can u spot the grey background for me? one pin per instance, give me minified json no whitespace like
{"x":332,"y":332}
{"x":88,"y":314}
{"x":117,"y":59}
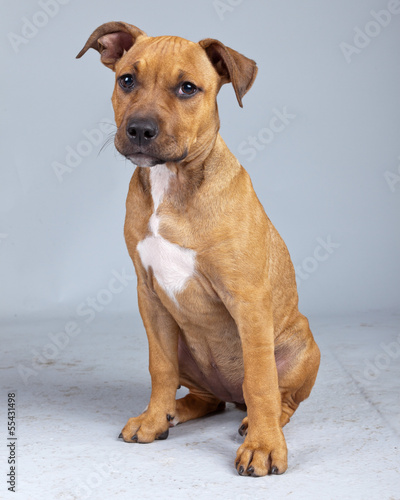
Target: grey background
{"x":323,"y":177}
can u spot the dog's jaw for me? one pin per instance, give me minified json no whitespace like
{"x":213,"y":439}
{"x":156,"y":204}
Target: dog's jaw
{"x":143,"y":160}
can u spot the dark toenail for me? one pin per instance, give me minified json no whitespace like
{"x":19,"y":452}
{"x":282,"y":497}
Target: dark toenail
{"x":162,"y":436}
{"x":274,"y":470}
{"x":250,"y":470}
{"x":179,"y":386}
{"x":170,"y":417}
{"x":134,"y":438}
{"x":120,"y":436}
{"x":242,"y":429}
{"x":241,"y":470}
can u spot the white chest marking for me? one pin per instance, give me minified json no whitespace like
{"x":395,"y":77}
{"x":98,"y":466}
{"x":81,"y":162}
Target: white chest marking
{"x":172,"y":264}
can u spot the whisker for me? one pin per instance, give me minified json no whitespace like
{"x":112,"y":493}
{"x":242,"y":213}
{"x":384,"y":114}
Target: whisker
{"x":108,"y":123}
{"x":109,"y":140}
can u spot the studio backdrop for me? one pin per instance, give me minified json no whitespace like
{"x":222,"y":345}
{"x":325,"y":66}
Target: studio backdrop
{"x":318,"y":133}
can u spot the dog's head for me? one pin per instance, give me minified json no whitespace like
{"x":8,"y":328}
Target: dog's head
{"x":165,"y":91}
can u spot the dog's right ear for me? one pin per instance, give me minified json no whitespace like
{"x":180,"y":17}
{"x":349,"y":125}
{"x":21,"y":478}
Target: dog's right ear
{"x":112,"y":40}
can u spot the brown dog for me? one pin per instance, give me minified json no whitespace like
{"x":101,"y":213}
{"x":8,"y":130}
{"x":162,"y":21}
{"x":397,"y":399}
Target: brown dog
{"x":216,"y":285}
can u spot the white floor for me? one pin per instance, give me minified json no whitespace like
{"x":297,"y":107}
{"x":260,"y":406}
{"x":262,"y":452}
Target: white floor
{"x":343,"y":441}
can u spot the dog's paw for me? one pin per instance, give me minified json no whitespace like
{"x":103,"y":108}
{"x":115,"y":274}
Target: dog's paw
{"x":259,"y":457}
{"x":146,"y":429}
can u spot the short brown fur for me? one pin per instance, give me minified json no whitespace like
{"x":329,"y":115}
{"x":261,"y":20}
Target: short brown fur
{"x":235,"y":332}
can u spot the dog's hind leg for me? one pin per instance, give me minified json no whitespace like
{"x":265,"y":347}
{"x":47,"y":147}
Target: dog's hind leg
{"x":296,"y":382}
{"x":196,"y":404}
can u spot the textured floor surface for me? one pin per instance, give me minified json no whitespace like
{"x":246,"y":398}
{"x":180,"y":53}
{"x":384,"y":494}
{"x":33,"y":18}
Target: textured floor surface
{"x":75,"y":392}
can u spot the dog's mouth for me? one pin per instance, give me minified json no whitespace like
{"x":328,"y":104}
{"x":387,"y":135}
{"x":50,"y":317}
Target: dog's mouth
{"x":150,"y":155}
{"x":144,"y":160}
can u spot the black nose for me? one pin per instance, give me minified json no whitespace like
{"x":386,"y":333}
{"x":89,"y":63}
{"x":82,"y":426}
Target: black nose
{"x":141,"y":130}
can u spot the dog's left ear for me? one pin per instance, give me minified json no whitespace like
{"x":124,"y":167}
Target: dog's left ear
{"x":231,"y":66}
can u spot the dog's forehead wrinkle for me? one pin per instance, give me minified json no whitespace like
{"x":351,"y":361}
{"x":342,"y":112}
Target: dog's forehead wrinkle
{"x":172,"y":42}
{"x":144,"y":60}
{"x":176,"y":48}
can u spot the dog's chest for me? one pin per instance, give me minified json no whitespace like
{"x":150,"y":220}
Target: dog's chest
{"x":172,"y":264}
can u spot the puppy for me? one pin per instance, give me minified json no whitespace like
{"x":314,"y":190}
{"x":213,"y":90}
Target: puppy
{"x":216,"y":286}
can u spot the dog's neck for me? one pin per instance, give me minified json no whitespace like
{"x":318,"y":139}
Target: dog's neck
{"x":187,"y":177}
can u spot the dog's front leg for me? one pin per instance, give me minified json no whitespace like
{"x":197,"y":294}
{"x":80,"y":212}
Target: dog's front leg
{"x":264,"y":450}
{"x":162,"y":333}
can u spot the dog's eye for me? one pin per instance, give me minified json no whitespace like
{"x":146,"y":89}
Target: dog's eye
{"x":187,"y":88}
{"x":126,"y":81}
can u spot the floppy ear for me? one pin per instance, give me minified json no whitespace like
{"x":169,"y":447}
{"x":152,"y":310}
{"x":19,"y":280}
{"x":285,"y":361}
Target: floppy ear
{"x":112,"y":40}
{"x":231,"y":66}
